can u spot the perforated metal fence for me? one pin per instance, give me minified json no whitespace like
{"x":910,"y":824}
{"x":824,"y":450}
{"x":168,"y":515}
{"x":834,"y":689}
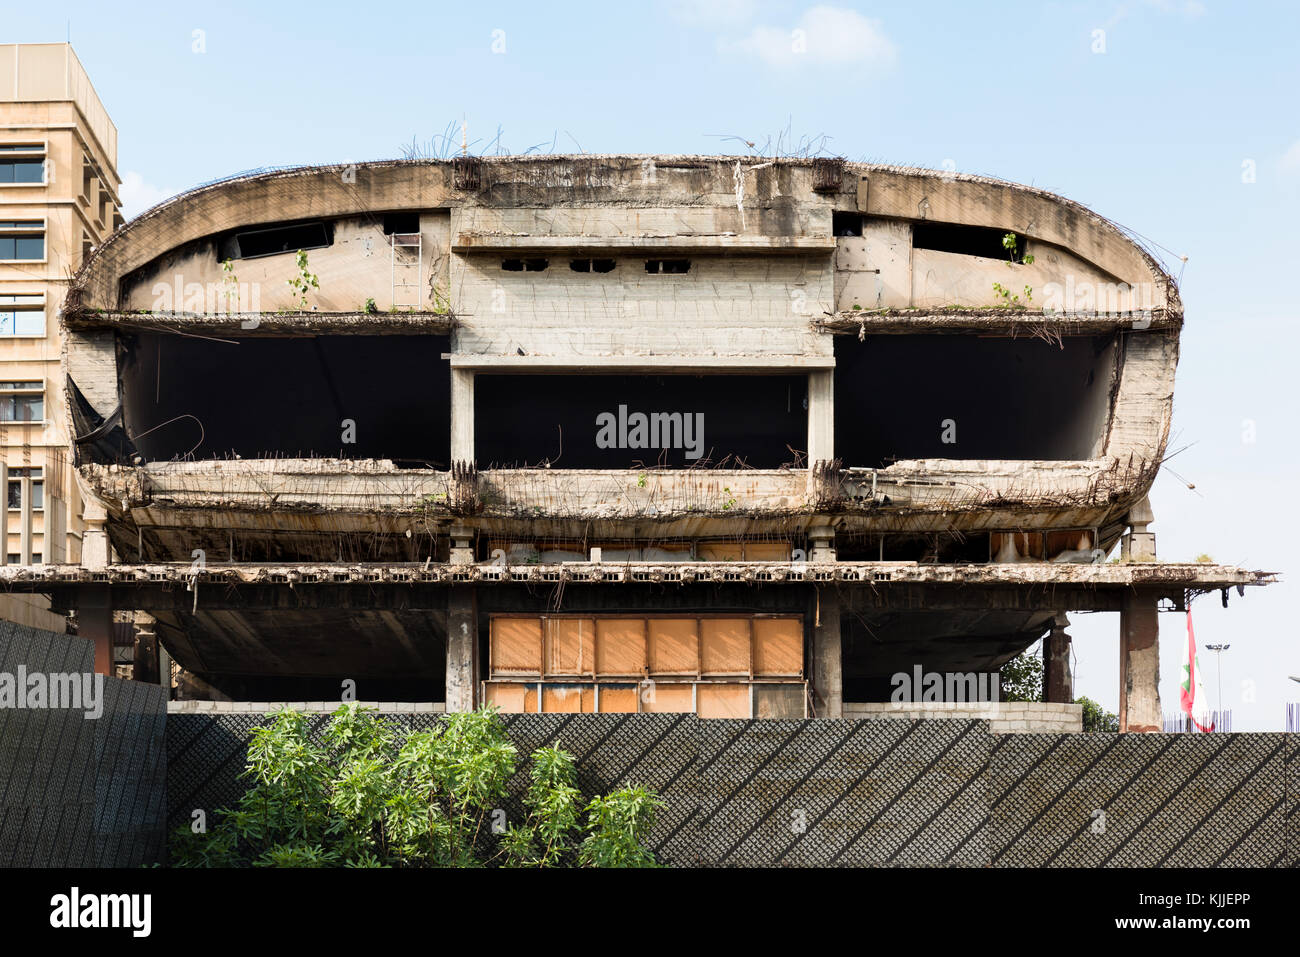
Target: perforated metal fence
{"x":880,"y":793}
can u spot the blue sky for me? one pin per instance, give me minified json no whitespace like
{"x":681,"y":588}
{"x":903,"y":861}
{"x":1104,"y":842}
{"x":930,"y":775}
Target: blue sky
{"x":1179,"y":121}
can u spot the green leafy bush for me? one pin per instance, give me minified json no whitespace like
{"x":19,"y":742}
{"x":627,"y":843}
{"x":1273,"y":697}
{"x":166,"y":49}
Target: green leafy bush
{"x":367,"y":796}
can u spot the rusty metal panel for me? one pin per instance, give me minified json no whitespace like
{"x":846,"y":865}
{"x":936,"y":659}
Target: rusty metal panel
{"x":780,"y":701}
{"x":778,"y":646}
{"x":618,"y":699}
{"x":673,"y":646}
{"x":621,"y":646}
{"x":568,"y":699}
{"x":505,"y":695}
{"x":665,"y":698}
{"x":570,"y":646}
{"x":515,"y":646}
{"x":722,"y":701}
{"x":725,"y":646}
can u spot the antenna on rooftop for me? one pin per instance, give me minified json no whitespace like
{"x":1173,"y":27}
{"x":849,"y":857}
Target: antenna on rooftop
{"x":464,"y":135}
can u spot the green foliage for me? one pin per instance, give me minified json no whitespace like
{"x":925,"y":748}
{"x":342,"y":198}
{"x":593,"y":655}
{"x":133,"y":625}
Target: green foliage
{"x":369,"y":796}
{"x":1009,"y":244}
{"x":1022,"y":678}
{"x":370,"y":308}
{"x":304,"y":282}
{"x":1095,"y":717}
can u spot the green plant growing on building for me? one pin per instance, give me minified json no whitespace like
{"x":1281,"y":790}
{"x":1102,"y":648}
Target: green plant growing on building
{"x":370,"y":308}
{"x":368,"y":794}
{"x":229,"y":286}
{"x":303,"y":283}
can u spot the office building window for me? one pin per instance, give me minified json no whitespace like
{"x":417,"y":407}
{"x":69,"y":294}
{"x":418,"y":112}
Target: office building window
{"x":22,"y":239}
{"x":22,"y":401}
{"x":22,"y":316}
{"x":15,"y":490}
{"x":22,"y":163}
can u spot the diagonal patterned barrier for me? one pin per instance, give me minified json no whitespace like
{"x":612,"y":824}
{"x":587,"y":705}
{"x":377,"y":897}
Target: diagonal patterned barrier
{"x":888,"y":793}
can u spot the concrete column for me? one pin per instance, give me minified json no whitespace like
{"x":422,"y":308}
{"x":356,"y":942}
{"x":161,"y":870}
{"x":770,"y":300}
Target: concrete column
{"x":25,"y":521}
{"x":146,"y":665}
{"x":1139,"y":664}
{"x":462,"y":545}
{"x":4,"y":538}
{"x":94,"y":540}
{"x":95,"y":621}
{"x":827,"y":664}
{"x":1138,"y":544}
{"x":1058,"y":683}
{"x":821,"y":416}
{"x":821,"y":544}
{"x":462,"y":415}
{"x":462,"y":649}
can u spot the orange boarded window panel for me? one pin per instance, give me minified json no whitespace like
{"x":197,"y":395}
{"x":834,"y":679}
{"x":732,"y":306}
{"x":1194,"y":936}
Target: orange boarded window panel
{"x":673,"y":647}
{"x":570,"y":646}
{"x":778,"y":646}
{"x":663,"y":698}
{"x":723,"y":701}
{"x":568,"y":699}
{"x":618,"y":699}
{"x":516,"y":647}
{"x":508,"y":696}
{"x":724,"y":646}
{"x":621,"y":647}
{"x":767,"y":552}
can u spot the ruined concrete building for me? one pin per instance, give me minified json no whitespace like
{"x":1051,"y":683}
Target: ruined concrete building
{"x":620,"y":433}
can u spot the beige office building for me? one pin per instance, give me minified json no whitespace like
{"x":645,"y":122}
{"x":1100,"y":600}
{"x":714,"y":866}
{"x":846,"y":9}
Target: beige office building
{"x":58,"y":200}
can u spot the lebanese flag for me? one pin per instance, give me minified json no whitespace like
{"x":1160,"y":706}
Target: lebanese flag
{"x":1194,"y":702}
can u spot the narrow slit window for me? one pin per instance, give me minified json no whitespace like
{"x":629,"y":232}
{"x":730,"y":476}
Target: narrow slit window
{"x":592,"y":265}
{"x":524,"y":265}
{"x":667,"y":266}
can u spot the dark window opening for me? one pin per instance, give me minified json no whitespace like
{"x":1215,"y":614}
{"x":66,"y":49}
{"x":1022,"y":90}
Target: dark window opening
{"x":667,"y":266}
{"x":524,"y":265}
{"x":401,"y":223}
{"x":967,"y":240}
{"x":281,"y":239}
{"x":352,"y":397}
{"x":846,"y":224}
{"x":592,"y":265}
{"x":630,"y":421}
{"x":958,"y":397}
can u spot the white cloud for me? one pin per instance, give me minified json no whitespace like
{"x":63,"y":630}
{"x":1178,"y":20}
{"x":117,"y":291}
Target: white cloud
{"x":824,"y":35}
{"x":1291,"y":158}
{"x":137,"y":195}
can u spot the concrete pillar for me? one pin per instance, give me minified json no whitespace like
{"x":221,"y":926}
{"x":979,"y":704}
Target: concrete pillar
{"x":1139,"y":664}
{"x":462,"y":415}
{"x":462,"y":649}
{"x":1138,"y":544}
{"x":94,"y":540}
{"x":462,"y":545}
{"x":827,"y":664}
{"x":146,"y":664}
{"x":1058,"y":683}
{"x":821,"y":544}
{"x":821,"y":416}
{"x":25,"y":521}
{"x":95,"y":621}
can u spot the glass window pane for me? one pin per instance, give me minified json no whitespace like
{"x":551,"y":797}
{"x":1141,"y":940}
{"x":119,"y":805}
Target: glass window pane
{"x":15,"y":495}
{"x":30,"y":322}
{"x":31,"y":247}
{"x":38,"y":495}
